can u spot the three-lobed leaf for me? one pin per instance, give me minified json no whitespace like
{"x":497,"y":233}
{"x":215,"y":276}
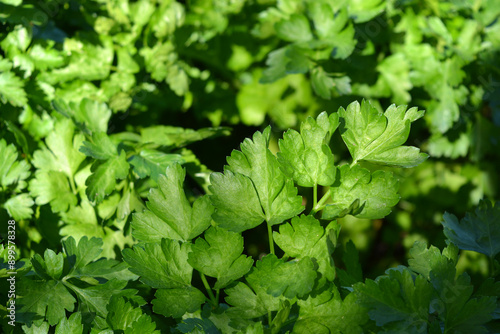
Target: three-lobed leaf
{"x":170,"y":214}
{"x":307,"y":157}
{"x":219,"y":255}
{"x":377,"y":137}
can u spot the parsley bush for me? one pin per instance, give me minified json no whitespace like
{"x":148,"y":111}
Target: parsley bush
{"x":189,"y":262}
{"x":108,"y":110}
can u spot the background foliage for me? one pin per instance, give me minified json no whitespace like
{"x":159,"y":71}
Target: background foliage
{"x":99,"y":97}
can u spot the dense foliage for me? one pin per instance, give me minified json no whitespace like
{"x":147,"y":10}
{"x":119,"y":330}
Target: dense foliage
{"x":113,"y":115}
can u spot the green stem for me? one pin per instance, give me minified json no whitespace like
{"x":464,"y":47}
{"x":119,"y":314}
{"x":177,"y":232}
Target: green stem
{"x":209,"y":290}
{"x":217,"y":293}
{"x":269,"y":318}
{"x":72,"y":183}
{"x":321,"y":204}
{"x":270,"y":235}
{"x":315,"y":195}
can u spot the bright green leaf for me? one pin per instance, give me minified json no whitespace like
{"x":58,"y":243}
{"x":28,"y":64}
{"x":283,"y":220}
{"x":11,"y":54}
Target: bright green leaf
{"x":377,"y":137}
{"x":219,"y":255}
{"x":377,"y":193}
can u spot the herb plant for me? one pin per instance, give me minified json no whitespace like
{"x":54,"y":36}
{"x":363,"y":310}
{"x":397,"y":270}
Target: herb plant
{"x":188,"y":272}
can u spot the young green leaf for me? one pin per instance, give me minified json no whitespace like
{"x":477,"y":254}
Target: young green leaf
{"x":162,"y":265}
{"x":296,"y":29}
{"x":253,"y":174}
{"x":237,"y":202}
{"x":50,"y":266}
{"x":306,"y":157}
{"x":52,"y":187}
{"x":176,"y":302}
{"x":19,"y":207}
{"x":219,"y":255}
{"x":305,"y":237}
{"x":11,"y":170}
{"x":251,"y":301}
{"x":124,"y":316}
{"x":153,"y":163}
{"x":377,"y":137}
{"x":11,"y":89}
{"x":170,"y":215}
{"x":61,"y":153}
{"x":377,"y":193}
{"x":71,"y":325}
{"x":479,"y":232}
{"x":273,"y":275}
{"x":81,"y":254}
{"x":89,"y":115}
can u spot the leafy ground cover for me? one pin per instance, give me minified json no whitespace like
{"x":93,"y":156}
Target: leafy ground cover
{"x":114,"y":115}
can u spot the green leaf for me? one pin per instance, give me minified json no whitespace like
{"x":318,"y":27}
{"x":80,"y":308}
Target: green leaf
{"x":263,"y":182}
{"x":170,"y":215}
{"x":45,"y":58}
{"x":176,"y":302}
{"x":453,"y":301}
{"x":162,"y":265}
{"x":273,"y":275}
{"x":397,"y":300}
{"x":363,"y":10}
{"x":219,"y":256}
{"x":81,"y":254}
{"x":306,"y":157}
{"x":52,"y":187}
{"x":11,"y":170}
{"x":11,"y":90}
{"x":377,"y":193}
{"x":175,"y":136}
{"x":237,"y":202}
{"x":305,"y":237}
{"x":61,"y":153}
{"x":19,"y":207}
{"x":104,"y":175}
{"x":89,"y":115}
{"x":322,"y":83}
{"x":353,"y":272}
{"x":251,"y":301}
{"x":100,"y":147}
{"x":296,"y":29}
{"x":123,"y":316}
{"x":95,"y":299}
{"x":46,"y":299}
{"x":479,"y":232}
{"x":50,"y":266}
{"x":153,"y":163}
{"x":327,"y":313}
{"x":377,"y":137}
{"x":71,"y":325}
{"x":276,"y":62}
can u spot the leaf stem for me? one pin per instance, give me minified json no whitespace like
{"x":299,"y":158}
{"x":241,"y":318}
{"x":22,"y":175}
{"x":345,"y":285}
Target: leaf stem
{"x":72,"y":184}
{"x":315,"y":195}
{"x":270,"y":236}
{"x":209,"y":290}
{"x":321,"y":204}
